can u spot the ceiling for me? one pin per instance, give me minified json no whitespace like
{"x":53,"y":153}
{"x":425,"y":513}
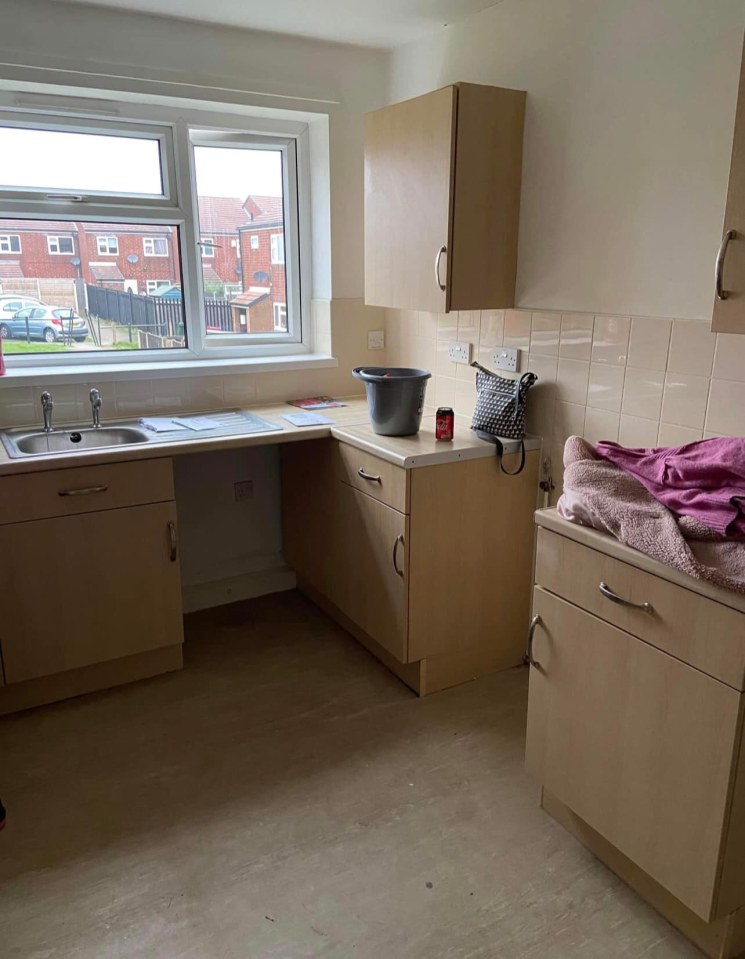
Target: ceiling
{"x":372,"y":23}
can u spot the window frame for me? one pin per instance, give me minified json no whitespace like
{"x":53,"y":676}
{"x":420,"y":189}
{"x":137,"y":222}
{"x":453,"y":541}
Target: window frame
{"x":179,"y":131}
{"x":57,"y":237}
{"x":279,"y":311}
{"x":255,"y":245}
{"x":273,"y":248}
{"x":9,"y":237}
{"x":151,"y":240}
{"x":107,"y":237}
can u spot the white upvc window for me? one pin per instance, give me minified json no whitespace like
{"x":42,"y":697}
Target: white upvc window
{"x":61,"y":245}
{"x":152,"y":170}
{"x":10,"y":243}
{"x":280,"y":316}
{"x":108,"y":245}
{"x":254,"y":241}
{"x":155,"y":245}
{"x":278,"y":247}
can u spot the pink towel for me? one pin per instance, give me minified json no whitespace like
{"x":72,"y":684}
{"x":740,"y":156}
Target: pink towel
{"x":704,"y":480}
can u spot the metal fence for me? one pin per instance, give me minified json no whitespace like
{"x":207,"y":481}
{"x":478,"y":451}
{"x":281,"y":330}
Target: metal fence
{"x":153,"y":314}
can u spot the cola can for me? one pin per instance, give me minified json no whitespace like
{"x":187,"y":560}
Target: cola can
{"x":444,"y":423}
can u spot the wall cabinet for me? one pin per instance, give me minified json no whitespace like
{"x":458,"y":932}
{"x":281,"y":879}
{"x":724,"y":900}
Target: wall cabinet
{"x":428,"y":567}
{"x":636,"y":740}
{"x":729,"y":298}
{"x":442,"y":199}
{"x":89,"y":568}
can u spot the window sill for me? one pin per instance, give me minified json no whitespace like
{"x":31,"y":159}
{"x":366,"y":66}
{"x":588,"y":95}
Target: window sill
{"x":109,"y":372}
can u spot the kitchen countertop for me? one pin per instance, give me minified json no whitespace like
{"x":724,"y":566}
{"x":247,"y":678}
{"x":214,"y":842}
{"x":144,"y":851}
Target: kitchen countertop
{"x":605,"y":543}
{"x":350,"y":423}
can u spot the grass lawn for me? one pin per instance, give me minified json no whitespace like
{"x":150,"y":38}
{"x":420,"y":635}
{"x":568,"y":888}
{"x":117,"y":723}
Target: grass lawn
{"x":18,"y":346}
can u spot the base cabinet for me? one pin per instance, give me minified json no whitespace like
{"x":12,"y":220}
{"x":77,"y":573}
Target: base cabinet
{"x":639,"y":752}
{"x":428,"y":567}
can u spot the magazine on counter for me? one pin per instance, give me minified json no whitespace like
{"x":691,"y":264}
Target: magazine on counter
{"x":316,"y":403}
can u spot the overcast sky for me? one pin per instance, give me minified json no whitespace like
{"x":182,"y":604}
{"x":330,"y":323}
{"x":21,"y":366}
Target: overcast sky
{"x":87,"y":163}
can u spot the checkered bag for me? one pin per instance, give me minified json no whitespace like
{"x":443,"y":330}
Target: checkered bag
{"x":500,"y":410}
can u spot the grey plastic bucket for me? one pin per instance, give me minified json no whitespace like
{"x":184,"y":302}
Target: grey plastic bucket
{"x":395,"y":398}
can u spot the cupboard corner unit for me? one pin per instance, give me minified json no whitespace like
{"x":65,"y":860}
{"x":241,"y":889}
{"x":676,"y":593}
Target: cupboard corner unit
{"x":635,"y":725}
{"x":443,"y":174}
{"x":428,"y":567}
{"x":90,"y":576}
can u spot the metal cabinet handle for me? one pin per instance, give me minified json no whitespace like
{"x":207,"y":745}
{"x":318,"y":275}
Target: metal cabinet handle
{"x":528,"y":657}
{"x":399,"y":539}
{"x":84,"y":491}
{"x":174,"y":541}
{"x":722,"y":294}
{"x":615,"y":598}
{"x":438,"y":257}
{"x":368,"y":476}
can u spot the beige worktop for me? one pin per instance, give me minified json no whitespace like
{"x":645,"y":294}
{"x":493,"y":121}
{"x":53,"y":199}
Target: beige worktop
{"x":350,"y":423}
{"x":605,"y":543}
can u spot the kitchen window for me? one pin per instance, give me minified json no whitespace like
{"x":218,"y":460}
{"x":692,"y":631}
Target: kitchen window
{"x":155,"y":246}
{"x":108,"y":246}
{"x":60,"y":245}
{"x":159,"y":192}
{"x":10,"y":244}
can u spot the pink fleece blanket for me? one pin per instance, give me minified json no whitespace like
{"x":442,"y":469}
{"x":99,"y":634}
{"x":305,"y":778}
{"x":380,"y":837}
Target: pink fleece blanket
{"x":599,"y":494}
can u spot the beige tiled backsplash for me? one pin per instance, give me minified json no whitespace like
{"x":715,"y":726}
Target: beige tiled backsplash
{"x":641,"y":381}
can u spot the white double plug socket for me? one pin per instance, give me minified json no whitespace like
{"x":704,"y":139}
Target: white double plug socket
{"x":459,"y":352}
{"x":505,"y":359}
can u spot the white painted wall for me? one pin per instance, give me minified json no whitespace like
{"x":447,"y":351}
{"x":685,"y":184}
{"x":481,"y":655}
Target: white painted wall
{"x":628,"y":137}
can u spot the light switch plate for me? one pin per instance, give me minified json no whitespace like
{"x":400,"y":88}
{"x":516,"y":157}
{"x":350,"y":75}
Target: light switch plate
{"x":376,"y":339}
{"x":459,"y":352}
{"x":504,"y":359}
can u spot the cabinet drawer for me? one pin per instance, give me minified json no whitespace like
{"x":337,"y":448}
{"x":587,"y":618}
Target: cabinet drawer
{"x":373,"y":475}
{"x":84,"y":489}
{"x":697,"y":630}
{"x":624,"y":735}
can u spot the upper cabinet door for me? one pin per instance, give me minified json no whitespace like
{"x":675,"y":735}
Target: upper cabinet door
{"x":729,"y":298}
{"x":408,"y":178}
{"x":442,"y":200}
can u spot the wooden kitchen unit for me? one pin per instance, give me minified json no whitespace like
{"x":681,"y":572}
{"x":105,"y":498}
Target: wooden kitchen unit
{"x":426,"y":562}
{"x":635,"y":724}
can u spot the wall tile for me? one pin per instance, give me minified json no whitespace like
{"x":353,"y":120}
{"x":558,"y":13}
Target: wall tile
{"x":468,"y":326}
{"x":427,"y":325}
{"x":545,"y":331}
{"x":729,"y":357}
{"x":133,"y":397}
{"x":576,"y":336}
{"x":465,"y":397}
{"x":642,"y":393}
{"x":444,"y":391}
{"x":206,"y":393}
{"x":684,"y":402}
{"x":636,"y":431}
{"x":556,"y":453}
{"x":691,"y":348}
{"x":517,"y":329}
{"x":601,"y":425}
{"x":649,"y":343}
{"x":671,"y":435}
{"x":447,"y":326}
{"x":492,"y":328}
{"x":572,"y":377}
{"x":17,"y":406}
{"x":425,"y":355}
{"x":726,"y":410}
{"x":241,"y":389}
{"x":610,"y":339}
{"x":544,"y":367}
{"x":569,"y":420}
{"x":605,"y":389}
{"x":443,"y":365}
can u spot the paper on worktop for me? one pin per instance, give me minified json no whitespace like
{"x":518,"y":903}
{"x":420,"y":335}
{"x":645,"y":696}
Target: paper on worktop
{"x":196,"y":423}
{"x":161,"y":424}
{"x":316,"y":403}
{"x":306,"y":419}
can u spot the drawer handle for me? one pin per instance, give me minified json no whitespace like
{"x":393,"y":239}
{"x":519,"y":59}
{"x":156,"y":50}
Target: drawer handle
{"x":615,"y":598}
{"x":368,"y":476}
{"x":399,"y":539}
{"x":528,"y":657}
{"x":174,"y":541}
{"x":723,"y":294}
{"x":83,"y":491}
{"x":438,"y":257}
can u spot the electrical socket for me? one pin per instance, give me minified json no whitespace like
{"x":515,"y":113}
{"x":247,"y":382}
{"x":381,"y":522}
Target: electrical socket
{"x":376,"y":339}
{"x":504,"y":359}
{"x":459,"y":352}
{"x":243,"y":490}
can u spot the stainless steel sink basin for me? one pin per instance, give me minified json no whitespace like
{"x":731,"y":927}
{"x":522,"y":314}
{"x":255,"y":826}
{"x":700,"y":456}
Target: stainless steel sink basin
{"x":70,"y":439}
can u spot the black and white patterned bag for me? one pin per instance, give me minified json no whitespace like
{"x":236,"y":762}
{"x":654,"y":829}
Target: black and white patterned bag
{"x":500,"y":410}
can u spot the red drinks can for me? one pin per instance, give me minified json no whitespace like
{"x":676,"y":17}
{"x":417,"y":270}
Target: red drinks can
{"x":444,"y":423}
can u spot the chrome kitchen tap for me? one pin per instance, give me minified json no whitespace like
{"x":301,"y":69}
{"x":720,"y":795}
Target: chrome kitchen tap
{"x":95,"y":397}
{"x":47,"y":406}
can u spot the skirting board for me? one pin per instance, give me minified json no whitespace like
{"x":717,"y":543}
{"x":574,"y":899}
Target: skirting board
{"x":235,"y":588}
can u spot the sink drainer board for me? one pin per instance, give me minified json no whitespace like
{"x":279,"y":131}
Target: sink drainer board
{"x":233,"y":423}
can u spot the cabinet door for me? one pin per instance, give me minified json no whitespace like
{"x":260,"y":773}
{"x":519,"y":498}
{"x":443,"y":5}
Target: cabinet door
{"x":636,"y":743}
{"x":729,"y":299}
{"x":371,"y":559}
{"x":408,"y":176}
{"x":84,"y":589}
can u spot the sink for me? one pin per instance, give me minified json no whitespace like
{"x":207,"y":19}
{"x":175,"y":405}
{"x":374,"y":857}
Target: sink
{"x":70,"y":439}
